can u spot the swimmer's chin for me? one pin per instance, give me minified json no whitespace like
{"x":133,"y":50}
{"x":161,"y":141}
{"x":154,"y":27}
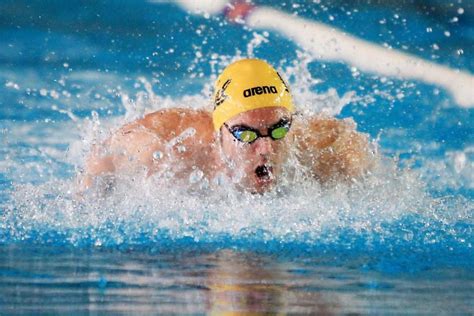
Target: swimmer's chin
{"x":262,"y":189}
{"x":263,"y":180}
{"x":254,"y":189}
{"x":257,"y":186}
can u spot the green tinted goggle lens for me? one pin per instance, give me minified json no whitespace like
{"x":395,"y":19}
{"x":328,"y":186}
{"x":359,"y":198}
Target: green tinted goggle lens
{"x":246,"y":136}
{"x":249,"y":135}
{"x":279,"y":132}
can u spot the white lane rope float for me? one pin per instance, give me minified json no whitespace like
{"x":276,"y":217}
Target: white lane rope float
{"x":329,"y":44}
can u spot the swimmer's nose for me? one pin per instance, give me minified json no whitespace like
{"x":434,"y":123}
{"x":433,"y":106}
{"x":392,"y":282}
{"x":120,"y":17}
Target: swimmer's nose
{"x":263,"y":146}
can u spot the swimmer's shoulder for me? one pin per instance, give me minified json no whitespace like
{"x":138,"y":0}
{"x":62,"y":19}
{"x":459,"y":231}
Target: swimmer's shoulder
{"x":332,"y":148}
{"x":317,"y":130}
{"x":168,"y":123}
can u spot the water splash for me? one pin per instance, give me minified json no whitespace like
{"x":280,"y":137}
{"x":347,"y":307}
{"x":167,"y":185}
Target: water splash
{"x":389,"y":211}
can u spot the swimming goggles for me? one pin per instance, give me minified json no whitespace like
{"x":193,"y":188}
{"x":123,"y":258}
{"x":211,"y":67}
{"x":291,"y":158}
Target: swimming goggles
{"x":248,"y":134}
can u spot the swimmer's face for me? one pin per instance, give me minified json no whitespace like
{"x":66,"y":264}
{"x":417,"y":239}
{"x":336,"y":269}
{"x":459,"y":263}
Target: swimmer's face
{"x":257,"y":166}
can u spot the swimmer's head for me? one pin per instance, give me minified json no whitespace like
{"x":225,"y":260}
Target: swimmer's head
{"x":255,"y":146}
{"x":253,"y":112}
{"x":246,"y":85}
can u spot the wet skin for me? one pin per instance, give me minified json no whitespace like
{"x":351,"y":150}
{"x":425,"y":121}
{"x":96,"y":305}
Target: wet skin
{"x":243,"y":160}
{"x":181,"y":140}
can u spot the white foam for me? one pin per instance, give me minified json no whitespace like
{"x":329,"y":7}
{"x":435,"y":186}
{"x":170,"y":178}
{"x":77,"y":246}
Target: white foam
{"x":299,"y":208}
{"x":455,"y":170}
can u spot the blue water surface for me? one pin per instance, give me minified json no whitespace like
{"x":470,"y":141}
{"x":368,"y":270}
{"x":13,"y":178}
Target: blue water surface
{"x":62,"y":63}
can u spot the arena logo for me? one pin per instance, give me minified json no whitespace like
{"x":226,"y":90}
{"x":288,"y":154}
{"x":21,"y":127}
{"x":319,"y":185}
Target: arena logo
{"x":220,"y":95}
{"x":260,"y":90}
{"x":283,"y":81}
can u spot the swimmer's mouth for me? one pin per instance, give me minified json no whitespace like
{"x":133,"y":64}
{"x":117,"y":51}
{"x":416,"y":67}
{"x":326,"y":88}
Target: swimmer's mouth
{"x":264,"y":172}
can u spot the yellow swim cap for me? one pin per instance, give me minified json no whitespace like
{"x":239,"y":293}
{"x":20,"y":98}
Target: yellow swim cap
{"x":246,"y":85}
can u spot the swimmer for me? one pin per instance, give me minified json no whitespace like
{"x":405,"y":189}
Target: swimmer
{"x":248,"y":137}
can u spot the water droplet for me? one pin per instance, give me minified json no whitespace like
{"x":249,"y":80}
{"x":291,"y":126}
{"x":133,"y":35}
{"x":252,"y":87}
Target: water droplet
{"x":204,"y":184}
{"x":157,"y":155}
{"x":460,"y":11}
{"x":102,"y":282}
{"x":196,"y":176}
{"x":460,"y":160}
{"x":13,"y":85}
{"x":54,"y":94}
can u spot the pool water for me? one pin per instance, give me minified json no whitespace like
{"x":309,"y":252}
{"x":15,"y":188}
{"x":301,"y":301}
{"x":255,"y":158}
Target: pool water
{"x":398,"y":241}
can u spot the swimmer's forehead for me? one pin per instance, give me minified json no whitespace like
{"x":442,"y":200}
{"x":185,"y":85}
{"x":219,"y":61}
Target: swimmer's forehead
{"x":264,"y":117}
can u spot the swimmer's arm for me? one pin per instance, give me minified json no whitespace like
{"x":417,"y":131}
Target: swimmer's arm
{"x":131,"y":146}
{"x":333,"y":149}
{"x":96,"y":164}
